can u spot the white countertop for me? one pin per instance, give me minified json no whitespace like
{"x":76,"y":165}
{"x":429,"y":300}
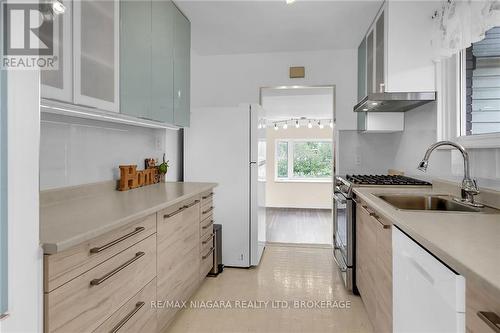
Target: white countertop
{"x":72,"y":216}
{"x":469,"y":243}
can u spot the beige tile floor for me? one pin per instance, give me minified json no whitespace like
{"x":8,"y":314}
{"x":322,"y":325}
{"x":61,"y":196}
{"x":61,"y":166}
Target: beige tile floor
{"x":285,"y":274}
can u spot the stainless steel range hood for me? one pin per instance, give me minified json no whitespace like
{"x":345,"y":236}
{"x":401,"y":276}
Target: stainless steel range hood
{"x":394,"y":102}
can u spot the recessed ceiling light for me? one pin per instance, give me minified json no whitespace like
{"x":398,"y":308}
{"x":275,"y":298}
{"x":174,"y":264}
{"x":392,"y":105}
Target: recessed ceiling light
{"x":289,"y":2}
{"x":365,"y":109}
{"x":374,"y":103}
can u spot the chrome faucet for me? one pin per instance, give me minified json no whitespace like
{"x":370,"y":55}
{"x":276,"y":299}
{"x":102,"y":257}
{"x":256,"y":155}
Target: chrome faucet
{"x":469,"y":186}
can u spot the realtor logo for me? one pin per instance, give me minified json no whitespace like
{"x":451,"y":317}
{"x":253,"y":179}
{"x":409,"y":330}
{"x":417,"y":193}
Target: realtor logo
{"x":28,"y":34}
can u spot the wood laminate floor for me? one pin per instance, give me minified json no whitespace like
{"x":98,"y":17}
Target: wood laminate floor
{"x":287,"y":274}
{"x":300,"y":226}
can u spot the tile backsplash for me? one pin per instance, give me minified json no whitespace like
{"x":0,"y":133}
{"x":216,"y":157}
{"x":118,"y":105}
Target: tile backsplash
{"x":75,"y":151}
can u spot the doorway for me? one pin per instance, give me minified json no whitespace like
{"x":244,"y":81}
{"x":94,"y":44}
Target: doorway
{"x":299,"y":164}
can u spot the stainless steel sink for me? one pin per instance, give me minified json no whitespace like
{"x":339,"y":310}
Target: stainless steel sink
{"x":431,"y":203}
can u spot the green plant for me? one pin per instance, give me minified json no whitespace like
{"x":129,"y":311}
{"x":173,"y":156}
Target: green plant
{"x":163,"y":167}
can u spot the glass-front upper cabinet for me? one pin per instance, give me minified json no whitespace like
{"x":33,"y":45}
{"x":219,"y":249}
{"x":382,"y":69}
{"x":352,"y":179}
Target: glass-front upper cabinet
{"x":182,"y":56}
{"x":96,"y":53}
{"x":380,"y":54}
{"x":58,"y":84}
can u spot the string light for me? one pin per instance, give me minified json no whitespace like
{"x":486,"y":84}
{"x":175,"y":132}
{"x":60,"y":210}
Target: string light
{"x":285,"y":126}
{"x":275,"y":127}
{"x":284,"y":123}
{"x":297,"y":125}
{"x":309,"y":125}
{"x":320,"y":125}
{"x":331,"y":123}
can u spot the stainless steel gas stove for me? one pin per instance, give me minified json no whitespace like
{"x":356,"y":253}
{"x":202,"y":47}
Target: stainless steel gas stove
{"x":345,"y":217}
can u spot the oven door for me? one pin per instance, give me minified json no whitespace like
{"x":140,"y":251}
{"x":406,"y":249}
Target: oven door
{"x":341,"y":225}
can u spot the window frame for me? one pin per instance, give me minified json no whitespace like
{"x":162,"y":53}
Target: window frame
{"x":292,"y":179}
{"x":451,"y":105}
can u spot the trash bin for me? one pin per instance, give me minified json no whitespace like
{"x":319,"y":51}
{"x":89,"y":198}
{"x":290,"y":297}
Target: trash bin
{"x":218,"y":267}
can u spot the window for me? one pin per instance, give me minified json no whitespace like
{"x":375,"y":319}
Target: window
{"x":304,"y":160}
{"x":481,"y":87}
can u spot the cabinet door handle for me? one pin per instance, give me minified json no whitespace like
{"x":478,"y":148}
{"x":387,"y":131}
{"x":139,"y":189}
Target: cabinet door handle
{"x":191,"y":204}
{"x":167,"y":216}
{"x":208,"y":224}
{"x":209,"y":238}
{"x":208,"y":196}
{"x":208,"y":254}
{"x":96,"y":282}
{"x":122,"y":322}
{"x":491,"y":319}
{"x":208,"y":210}
{"x":98,"y":249}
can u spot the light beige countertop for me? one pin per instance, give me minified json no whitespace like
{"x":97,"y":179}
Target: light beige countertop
{"x":74,"y":215}
{"x":469,"y":243}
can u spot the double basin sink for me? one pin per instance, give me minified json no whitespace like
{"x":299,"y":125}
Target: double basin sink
{"x":438,"y":203}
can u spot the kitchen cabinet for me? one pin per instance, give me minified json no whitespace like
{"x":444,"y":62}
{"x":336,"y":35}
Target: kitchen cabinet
{"x":155,"y":62}
{"x":178,"y":255}
{"x":96,"y":54}
{"x":135,"y":58}
{"x":58,"y":84}
{"x":182,"y":56}
{"x":163,"y":61}
{"x":479,"y":300}
{"x":374,"y":266}
{"x":362,"y":69}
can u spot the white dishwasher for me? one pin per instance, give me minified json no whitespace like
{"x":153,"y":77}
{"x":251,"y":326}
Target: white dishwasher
{"x":427,"y":295}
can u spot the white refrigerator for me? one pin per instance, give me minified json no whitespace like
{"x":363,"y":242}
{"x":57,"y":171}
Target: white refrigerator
{"x":227,"y":146}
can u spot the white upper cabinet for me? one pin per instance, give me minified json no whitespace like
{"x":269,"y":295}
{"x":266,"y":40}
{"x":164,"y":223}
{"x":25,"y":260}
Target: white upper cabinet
{"x":58,"y":84}
{"x":96,"y":38}
{"x":409,"y":62}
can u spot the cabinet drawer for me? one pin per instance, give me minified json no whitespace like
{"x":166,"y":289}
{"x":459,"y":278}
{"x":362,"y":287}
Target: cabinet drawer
{"x":478,"y":298}
{"x":206,"y":242}
{"x":207,"y":211}
{"x":207,"y":262}
{"x":85,"y":302}
{"x":67,"y":265}
{"x":137,"y":315}
{"x":206,"y":227}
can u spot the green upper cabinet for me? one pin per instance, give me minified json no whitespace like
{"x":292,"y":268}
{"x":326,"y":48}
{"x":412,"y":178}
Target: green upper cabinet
{"x":162,"y":89}
{"x":182,"y":58}
{"x":155,"y":61}
{"x":135,"y":58}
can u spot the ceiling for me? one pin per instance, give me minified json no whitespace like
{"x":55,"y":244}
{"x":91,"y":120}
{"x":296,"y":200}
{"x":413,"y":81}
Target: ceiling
{"x":311,"y":103}
{"x":230,"y":27}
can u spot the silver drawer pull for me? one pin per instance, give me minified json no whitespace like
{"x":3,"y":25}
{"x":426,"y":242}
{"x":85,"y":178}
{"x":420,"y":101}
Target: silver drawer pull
{"x":208,"y":210}
{"x":96,"y":282}
{"x":116,"y":241}
{"x":122,"y":322}
{"x":208,"y":254}
{"x":192,"y":204}
{"x":167,"y":216}
{"x":209,"y":238}
{"x":208,"y":225}
{"x":491,"y":319}
{"x":208,"y":196}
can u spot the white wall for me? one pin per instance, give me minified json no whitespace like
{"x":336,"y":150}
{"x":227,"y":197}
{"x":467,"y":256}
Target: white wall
{"x":76,"y":151}
{"x":25,"y":255}
{"x":295,"y":194}
{"x":227,"y":80}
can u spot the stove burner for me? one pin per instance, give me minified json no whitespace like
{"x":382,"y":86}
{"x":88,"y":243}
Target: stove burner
{"x":384,"y":180}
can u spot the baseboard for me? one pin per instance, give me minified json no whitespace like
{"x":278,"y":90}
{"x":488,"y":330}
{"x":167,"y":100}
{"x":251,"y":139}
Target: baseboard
{"x":303,"y":245}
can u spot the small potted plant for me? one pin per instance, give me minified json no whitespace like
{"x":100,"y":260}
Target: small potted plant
{"x":162,"y":169}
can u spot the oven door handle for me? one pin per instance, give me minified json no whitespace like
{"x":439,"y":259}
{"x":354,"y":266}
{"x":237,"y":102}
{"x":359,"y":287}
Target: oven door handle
{"x":339,"y":199}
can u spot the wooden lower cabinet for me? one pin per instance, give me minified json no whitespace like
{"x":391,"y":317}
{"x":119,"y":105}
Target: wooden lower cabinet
{"x":479,"y":299}
{"x":137,"y":315}
{"x":121,"y":281}
{"x":85,"y":302}
{"x":178,"y":256}
{"x":374,"y":266}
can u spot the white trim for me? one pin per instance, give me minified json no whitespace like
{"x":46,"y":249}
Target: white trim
{"x":451,"y":109}
{"x":292,"y":179}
